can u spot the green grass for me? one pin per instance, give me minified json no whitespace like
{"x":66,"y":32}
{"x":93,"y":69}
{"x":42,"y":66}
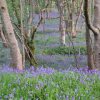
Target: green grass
{"x":65,"y":50}
{"x":49,"y":87}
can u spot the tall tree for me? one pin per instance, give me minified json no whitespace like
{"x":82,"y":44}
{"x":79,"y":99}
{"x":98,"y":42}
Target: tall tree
{"x":95,"y":28}
{"x":13,"y":43}
{"x":60,"y":5}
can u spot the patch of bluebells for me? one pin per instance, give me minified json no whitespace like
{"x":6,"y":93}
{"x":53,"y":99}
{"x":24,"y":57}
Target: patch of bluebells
{"x":31,"y":71}
{"x":42,"y":70}
{"x":83,"y":70}
{"x":49,"y":80}
{"x":48,"y":70}
{"x":8,"y":69}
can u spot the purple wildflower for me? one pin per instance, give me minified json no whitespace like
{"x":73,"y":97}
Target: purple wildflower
{"x":67,"y":97}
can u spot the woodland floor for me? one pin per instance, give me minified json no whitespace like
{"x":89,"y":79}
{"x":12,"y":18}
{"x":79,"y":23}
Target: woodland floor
{"x":49,"y":38}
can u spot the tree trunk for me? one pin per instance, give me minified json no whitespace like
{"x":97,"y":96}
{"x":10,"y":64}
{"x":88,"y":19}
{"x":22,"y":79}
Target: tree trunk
{"x":62,"y":27}
{"x":90,"y":51}
{"x":97,"y":52}
{"x":97,"y":37}
{"x":62,"y":24}
{"x":13,"y":44}
{"x":73,"y":28}
{"x":95,"y":28}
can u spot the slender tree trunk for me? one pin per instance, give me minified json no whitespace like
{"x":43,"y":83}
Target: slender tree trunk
{"x":13,"y":44}
{"x":22,"y":32}
{"x":62,"y":27}
{"x":62,"y":24}
{"x":73,"y":28}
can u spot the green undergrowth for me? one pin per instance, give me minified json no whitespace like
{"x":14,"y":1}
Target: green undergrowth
{"x":57,"y":86}
{"x":65,"y":50}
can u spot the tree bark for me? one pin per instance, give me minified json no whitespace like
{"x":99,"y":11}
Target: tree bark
{"x":95,"y":28}
{"x":62,"y":24}
{"x":96,"y":24}
{"x":16,"y":56}
{"x":73,"y":28}
{"x":90,"y":50}
{"x":62,"y":27}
